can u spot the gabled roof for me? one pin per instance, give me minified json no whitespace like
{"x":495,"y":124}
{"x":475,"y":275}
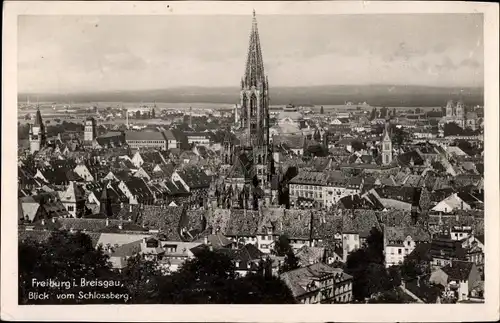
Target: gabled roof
{"x":194,"y":177}
{"x":242,"y":166}
{"x":399,"y":234}
{"x":301,"y":280}
{"x":163,"y":218}
{"x":73,"y":193}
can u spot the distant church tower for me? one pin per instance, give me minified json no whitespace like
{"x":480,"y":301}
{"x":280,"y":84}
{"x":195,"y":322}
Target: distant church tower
{"x":460,"y":110}
{"x":449,"y":109}
{"x":254,"y":107}
{"x":37,"y":134}
{"x":386,"y":144}
{"x":90,"y":131}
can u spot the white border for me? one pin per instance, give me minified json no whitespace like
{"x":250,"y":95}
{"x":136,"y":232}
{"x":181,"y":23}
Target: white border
{"x":261,"y":313}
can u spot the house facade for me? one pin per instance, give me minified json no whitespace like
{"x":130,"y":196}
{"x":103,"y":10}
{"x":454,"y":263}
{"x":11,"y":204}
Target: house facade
{"x":319,"y":284}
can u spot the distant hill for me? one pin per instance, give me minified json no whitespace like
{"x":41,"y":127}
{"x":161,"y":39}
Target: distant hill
{"x":376,"y":95}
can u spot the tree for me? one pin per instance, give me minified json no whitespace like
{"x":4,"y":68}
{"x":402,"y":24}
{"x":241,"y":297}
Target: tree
{"x":321,"y":110}
{"x":452,"y":129}
{"x":399,"y":136}
{"x":138,"y":114}
{"x":383,"y":112}
{"x":64,"y":257}
{"x":367,"y":267}
{"x":142,"y":278}
{"x":417,"y":111}
{"x":291,"y":262}
{"x":257,"y":289}
{"x":210,"y":278}
{"x":357,"y":145}
{"x":394,"y":274}
{"x":375,"y":246}
{"x":153,"y":114}
{"x":316,"y":150}
{"x":317,"y":136}
{"x":373,"y":114}
{"x":392,"y":296}
{"x":282,"y":246}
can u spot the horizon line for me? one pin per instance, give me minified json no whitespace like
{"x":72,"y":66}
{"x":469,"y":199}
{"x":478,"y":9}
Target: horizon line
{"x":225,"y":87}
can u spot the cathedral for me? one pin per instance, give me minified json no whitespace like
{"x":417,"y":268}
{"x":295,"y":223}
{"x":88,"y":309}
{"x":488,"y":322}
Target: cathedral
{"x":459,"y":115}
{"x":251,"y":176}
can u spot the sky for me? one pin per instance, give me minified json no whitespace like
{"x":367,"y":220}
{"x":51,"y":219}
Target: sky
{"x":67,"y":54}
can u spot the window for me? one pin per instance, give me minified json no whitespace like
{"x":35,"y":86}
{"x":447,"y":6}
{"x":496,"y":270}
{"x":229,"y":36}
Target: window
{"x":399,"y":251}
{"x":71,"y":208}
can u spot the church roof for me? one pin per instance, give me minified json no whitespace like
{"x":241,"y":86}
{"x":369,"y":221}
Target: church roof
{"x":38,"y":118}
{"x":254,"y":70}
{"x":242,"y":166}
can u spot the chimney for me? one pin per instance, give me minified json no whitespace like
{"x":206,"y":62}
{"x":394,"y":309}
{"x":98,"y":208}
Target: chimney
{"x":205,"y":240}
{"x":107,"y":221}
{"x":43,"y":221}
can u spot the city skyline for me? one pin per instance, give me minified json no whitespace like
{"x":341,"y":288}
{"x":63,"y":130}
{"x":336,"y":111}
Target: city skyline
{"x":442,"y":50}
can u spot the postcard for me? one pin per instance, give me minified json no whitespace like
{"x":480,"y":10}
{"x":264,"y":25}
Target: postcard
{"x":241,"y":161}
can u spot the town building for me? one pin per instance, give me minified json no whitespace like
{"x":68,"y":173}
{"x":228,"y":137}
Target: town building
{"x":319,"y":284}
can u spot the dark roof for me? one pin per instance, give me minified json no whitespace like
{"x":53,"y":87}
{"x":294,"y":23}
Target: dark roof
{"x":421,"y":252}
{"x":404,"y":159}
{"x":405,"y":194}
{"x":166,"y":219}
{"x":444,"y":247}
{"x":242,"y":223}
{"x":139,"y":188}
{"x":152,"y":157}
{"x":458,"y":270}
{"x":194,"y":177}
{"x":242,"y":166}
{"x":355,"y":202}
{"x":248,"y":255}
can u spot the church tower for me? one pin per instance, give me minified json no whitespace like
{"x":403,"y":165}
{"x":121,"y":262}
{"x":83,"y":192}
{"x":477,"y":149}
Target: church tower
{"x":105,"y":202}
{"x":90,"y":131}
{"x":37,"y":134}
{"x":449,"y":109}
{"x":227,"y":150}
{"x":254,"y":99}
{"x":460,"y":114}
{"x":254,"y":108}
{"x":386,"y":144}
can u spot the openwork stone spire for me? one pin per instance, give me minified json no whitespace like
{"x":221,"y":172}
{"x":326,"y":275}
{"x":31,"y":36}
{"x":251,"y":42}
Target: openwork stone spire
{"x":254,"y":70}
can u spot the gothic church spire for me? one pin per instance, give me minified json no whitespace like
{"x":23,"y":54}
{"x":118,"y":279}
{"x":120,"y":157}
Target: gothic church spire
{"x":254,"y":69}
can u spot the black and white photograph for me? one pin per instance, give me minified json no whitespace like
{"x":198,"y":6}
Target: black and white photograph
{"x":253,"y":157}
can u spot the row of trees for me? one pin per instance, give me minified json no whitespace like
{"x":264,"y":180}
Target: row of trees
{"x":453,"y":129}
{"x":382,"y":113}
{"x":210,"y":278}
{"x":147,"y":115}
{"x":52,"y":130}
{"x":367,"y":266}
